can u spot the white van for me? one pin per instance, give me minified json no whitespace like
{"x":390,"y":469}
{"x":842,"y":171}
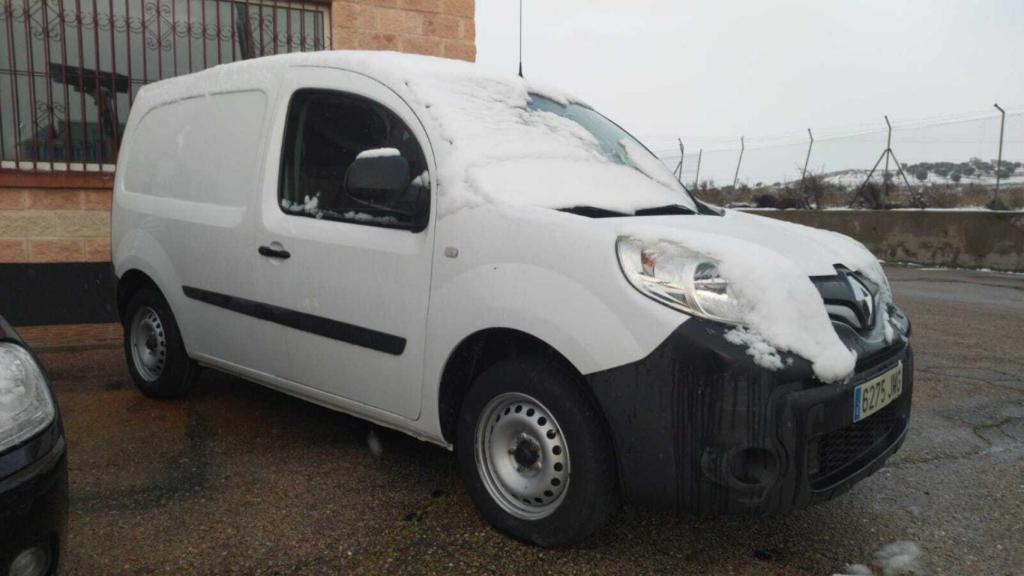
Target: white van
{"x":497,"y":268}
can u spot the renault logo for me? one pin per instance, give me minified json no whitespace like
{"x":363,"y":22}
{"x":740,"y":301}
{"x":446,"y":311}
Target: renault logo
{"x":862,"y":297}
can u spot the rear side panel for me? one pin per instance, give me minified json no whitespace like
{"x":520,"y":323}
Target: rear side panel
{"x":187,"y":181}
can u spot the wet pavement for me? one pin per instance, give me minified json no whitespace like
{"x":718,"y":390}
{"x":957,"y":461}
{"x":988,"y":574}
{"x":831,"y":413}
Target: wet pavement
{"x":238,"y":479}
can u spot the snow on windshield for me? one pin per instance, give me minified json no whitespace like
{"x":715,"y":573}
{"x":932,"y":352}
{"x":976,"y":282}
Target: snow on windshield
{"x":898,"y":558}
{"x":496,"y":146}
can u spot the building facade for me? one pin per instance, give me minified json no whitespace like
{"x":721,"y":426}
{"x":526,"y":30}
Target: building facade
{"x":69,"y":71}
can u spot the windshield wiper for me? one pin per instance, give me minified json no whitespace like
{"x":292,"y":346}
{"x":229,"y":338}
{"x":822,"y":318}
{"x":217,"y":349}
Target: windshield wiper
{"x":593,"y":212}
{"x":666,"y":210}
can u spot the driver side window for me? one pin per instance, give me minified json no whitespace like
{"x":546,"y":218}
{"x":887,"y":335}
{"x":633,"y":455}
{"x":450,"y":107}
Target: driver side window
{"x":325,"y":132}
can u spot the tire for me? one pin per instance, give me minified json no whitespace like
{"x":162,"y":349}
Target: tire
{"x":153,"y":348}
{"x":534,"y":453}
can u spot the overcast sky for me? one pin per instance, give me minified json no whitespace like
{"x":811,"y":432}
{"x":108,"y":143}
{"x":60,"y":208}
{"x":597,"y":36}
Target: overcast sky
{"x":710,"y":70}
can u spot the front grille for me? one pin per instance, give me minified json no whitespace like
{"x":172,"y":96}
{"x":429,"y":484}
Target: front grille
{"x":850,"y":299}
{"x":830,"y":453}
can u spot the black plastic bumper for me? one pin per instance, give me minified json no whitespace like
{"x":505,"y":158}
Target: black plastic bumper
{"x":33,"y":489}
{"x":699,"y":428}
{"x":34,"y":500}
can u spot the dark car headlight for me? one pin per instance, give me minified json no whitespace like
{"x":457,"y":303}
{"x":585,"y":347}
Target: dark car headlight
{"x":26,"y":407}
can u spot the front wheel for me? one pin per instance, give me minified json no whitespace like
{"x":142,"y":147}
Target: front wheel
{"x":534,"y":453}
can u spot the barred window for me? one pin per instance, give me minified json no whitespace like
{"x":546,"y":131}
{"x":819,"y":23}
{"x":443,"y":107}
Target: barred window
{"x":69,"y":69}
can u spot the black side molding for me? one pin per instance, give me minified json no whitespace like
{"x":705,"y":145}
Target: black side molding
{"x":350,"y":333}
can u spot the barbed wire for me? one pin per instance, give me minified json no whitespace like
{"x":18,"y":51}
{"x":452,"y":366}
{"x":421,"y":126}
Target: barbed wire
{"x":954,"y":138}
{"x":718,"y":144}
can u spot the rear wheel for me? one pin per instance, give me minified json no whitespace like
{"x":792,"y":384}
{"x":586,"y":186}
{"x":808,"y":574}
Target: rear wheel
{"x":534,"y":453}
{"x":156,"y":355}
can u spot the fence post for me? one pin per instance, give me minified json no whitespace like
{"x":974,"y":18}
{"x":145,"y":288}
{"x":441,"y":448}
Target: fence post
{"x":808,"y":159}
{"x":679,"y":167}
{"x":696,"y":179}
{"x":888,"y":151}
{"x":736,"y":176}
{"x":999,"y":159}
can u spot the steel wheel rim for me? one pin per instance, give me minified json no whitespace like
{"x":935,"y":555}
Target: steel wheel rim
{"x":522,"y":456}
{"x":148,"y":343}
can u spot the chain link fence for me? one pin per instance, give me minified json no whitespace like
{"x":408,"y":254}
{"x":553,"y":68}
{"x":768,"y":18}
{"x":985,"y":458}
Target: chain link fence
{"x":944,"y":162}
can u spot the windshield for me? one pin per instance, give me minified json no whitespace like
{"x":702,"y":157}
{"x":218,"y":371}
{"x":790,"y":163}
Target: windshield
{"x":615,"y":144}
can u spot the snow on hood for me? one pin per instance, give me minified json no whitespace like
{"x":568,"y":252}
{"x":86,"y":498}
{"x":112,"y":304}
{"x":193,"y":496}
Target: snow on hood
{"x":768,"y":265}
{"x":815,"y":251}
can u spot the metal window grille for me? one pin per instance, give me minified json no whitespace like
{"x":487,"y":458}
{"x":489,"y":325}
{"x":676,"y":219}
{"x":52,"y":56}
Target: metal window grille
{"x":70,"y":69}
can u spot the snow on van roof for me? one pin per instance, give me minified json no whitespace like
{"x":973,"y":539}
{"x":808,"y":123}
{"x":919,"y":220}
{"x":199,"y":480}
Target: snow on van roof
{"x":490,"y":148}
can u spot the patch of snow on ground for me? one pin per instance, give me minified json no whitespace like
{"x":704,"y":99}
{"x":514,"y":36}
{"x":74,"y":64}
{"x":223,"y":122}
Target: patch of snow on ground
{"x":855,"y":570}
{"x":854,"y":177}
{"x":901,"y":558}
{"x":944,"y":268}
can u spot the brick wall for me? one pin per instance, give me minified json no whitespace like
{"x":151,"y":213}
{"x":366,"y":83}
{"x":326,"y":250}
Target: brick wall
{"x":433,"y":27}
{"x":42,"y":225}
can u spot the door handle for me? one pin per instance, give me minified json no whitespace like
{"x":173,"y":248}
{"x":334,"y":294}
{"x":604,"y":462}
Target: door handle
{"x":270,"y":252}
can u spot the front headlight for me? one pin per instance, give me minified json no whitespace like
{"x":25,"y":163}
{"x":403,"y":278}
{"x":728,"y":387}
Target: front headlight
{"x":679,"y":278}
{"x":25,"y":403}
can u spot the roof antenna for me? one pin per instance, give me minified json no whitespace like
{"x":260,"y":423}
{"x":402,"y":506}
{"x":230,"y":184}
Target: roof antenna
{"x":520,"y":38}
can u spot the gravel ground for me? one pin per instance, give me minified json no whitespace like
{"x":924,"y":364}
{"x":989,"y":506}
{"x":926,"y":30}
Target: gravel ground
{"x":238,"y":479}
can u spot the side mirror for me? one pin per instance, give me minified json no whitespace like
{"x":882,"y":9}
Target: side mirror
{"x":377,"y":177}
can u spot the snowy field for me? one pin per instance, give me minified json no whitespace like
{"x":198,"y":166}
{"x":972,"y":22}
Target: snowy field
{"x":854,"y":178}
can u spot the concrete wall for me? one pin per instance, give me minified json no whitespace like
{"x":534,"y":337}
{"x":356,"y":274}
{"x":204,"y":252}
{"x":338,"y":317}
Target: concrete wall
{"x":957,"y":239}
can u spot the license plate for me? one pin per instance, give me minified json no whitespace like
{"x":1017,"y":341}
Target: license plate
{"x":877,"y":393}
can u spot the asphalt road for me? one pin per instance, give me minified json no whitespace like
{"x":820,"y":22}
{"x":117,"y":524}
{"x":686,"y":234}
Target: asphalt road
{"x":238,"y":479}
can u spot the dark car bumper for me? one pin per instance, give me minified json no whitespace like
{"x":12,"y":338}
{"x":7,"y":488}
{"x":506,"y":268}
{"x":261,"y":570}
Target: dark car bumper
{"x":33,"y":492}
{"x":34,"y":501}
{"x":699,"y":428}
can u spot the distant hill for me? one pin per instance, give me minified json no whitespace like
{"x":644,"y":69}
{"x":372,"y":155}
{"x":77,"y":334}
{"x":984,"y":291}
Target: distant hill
{"x":974,"y":171}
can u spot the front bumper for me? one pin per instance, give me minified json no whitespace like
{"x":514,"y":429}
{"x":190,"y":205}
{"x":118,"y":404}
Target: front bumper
{"x":34,"y":491}
{"x":34,"y":499}
{"x":698,"y":427}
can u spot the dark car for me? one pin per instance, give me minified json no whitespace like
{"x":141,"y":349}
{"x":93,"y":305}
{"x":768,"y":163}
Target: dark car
{"x":33,"y":464}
